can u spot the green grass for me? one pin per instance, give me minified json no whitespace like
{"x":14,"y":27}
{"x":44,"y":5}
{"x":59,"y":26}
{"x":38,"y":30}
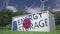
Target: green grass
{"x":7,"y":31}
{"x":27,"y":32}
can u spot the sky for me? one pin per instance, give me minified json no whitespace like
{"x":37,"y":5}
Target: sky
{"x":22,"y":4}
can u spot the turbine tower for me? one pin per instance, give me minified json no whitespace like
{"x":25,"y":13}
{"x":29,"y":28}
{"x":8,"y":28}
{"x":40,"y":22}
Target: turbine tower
{"x":42,"y":4}
{"x":5,"y":3}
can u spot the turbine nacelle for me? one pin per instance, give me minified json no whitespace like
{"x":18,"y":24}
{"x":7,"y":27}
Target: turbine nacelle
{"x":43,"y":0}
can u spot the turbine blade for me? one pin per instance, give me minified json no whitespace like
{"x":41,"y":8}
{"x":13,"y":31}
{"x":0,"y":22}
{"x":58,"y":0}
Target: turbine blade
{"x":32,"y":5}
{"x":26,"y":7}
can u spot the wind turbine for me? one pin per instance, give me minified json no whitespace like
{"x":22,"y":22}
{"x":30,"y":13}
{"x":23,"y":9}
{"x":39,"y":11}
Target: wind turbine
{"x":42,"y":5}
{"x":26,"y":7}
{"x":5,"y":3}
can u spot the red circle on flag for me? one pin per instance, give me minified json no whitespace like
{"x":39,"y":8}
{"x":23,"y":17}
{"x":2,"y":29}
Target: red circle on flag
{"x":26,"y":23}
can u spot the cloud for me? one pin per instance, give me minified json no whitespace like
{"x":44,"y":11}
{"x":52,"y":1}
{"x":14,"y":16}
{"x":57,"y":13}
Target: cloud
{"x":56,"y":10}
{"x":11,"y":8}
{"x":57,"y":2}
{"x":33,"y":10}
{"x":57,"y":5}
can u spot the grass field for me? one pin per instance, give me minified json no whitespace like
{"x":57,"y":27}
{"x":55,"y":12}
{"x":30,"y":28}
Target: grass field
{"x":6,"y":31}
{"x":27,"y":32}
